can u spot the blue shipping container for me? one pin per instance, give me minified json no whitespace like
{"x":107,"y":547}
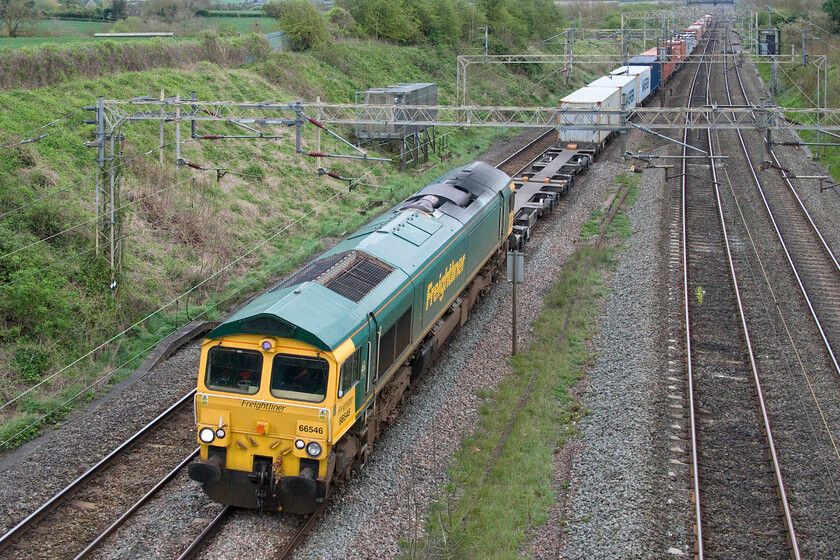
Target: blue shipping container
{"x":655,"y":69}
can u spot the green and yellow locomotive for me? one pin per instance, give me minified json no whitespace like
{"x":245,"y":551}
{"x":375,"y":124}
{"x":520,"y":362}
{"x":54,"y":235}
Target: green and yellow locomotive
{"x":293,"y":389}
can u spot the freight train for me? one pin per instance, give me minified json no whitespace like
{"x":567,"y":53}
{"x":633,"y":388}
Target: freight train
{"x":633,"y":85}
{"x":579,"y":142}
{"x":294,"y":388}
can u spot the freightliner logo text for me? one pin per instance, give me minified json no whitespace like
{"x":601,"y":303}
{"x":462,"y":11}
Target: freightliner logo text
{"x":435,"y":290}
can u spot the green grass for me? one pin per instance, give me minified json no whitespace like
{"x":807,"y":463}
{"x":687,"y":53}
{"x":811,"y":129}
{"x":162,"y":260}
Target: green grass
{"x":490,"y":517}
{"x":236,"y":13}
{"x":19,"y":42}
{"x":53,"y":31}
{"x":47,"y":27}
{"x":790,"y":94}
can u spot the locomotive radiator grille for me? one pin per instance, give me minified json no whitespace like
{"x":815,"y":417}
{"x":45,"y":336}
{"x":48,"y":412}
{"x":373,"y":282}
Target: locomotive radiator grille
{"x":359,"y":278}
{"x":352,"y":274}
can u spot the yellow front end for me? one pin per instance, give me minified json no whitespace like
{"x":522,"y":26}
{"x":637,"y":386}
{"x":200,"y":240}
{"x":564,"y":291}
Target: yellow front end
{"x":265,"y":415}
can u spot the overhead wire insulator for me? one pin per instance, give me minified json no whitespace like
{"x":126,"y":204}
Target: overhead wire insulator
{"x":343,"y":156}
{"x":35,"y":138}
{"x":320,"y":125}
{"x":194,"y":165}
{"x":317,"y":123}
{"x":334,"y":175}
{"x":210,"y":137}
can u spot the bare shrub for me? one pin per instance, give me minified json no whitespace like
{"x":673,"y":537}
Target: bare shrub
{"x":167,"y":200}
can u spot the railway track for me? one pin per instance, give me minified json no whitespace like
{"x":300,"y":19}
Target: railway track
{"x":515,"y":163}
{"x":736,"y":497}
{"x":512,"y":165}
{"x":96,"y":501}
{"x":811,"y":260}
{"x":798,"y":370}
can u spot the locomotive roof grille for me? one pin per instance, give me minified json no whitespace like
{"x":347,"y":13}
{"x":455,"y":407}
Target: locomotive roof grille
{"x":311,"y":271}
{"x":359,"y":277}
{"x":351,"y":274}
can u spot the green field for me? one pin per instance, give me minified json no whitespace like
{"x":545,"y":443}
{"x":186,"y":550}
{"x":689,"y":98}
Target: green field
{"x":19,"y":42}
{"x":61,"y":32}
{"x":242,"y":24}
{"x":68,"y":28}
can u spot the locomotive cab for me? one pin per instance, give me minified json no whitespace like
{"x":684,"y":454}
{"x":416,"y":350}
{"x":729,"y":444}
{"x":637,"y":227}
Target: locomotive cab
{"x":264,"y":415}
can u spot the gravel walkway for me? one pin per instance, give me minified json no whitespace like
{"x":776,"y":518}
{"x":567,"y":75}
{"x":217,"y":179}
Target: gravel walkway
{"x":619,"y":490}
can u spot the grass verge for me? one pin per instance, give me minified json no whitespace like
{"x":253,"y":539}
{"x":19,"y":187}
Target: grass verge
{"x":491,"y":504}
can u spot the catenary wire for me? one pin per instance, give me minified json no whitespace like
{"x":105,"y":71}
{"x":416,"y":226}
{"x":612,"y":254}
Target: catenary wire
{"x":28,"y":138}
{"x":91,"y":220}
{"x":173,"y":301}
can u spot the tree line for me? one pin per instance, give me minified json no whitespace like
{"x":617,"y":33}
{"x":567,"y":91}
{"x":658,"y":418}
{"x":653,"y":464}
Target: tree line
{"x":512,"y":23}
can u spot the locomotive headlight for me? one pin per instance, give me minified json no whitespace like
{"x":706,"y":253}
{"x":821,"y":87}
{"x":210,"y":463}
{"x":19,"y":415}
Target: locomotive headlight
{"x":300,"y":444}
{"x":220,"y":433}
{"x":206,"y":435}
{"x":313,"y":449}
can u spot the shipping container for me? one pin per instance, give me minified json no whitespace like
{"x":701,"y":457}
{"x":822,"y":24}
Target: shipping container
{"x":572,"y":127}
{"x":644,"y":81}
{"x":690,"y":40}
{"x":696,"y":30}
{"x":628,"y":85}
{"x":656,"y":67}
{"x":400,"y":94}
{"x":677,"y":52}
{"x":668,"y":65}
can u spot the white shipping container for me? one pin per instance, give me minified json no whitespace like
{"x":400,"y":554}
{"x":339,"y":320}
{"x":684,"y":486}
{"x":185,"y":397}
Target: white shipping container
{"x":690,"y":41}
{"x":627,"y":84}
{"x":593,"y":99}
{"x":642,"y":74}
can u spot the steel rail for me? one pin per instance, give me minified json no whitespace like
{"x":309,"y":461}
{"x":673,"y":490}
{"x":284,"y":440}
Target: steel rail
{"x":119,"y":522}
{"x":22,"y":527}
{"x":306,"y":528}
{"x":690,"y":373}
{"x":211,"y":528}
{"x":297,"y":538}
{"x":792,"y":539}
{"x":521,"y":150}
{"x":815,"y":229}
{"x":302,"y":532}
